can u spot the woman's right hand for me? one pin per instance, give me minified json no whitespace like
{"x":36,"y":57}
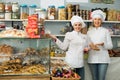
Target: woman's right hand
{"x":53,"y":37}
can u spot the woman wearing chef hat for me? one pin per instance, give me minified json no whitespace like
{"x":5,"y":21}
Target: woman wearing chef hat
{"x":74,"y":43}
{"x":99,"y":42}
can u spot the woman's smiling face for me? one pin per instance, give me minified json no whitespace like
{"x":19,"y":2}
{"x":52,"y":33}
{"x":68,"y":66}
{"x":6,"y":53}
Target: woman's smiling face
{"x":97,"y":22}
{"x":77,"y":26}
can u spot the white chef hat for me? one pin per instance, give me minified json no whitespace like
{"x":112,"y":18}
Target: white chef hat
{"x":75,"y":19}
{"x":98,"y":14}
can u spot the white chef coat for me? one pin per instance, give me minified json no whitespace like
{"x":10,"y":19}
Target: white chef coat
{"x":74,"y":42}
{"x":99,"y":35}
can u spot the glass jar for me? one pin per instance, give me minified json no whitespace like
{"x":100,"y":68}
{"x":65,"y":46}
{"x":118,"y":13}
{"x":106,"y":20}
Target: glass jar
{"x":69,"y":11}
{"x":15,"y":15}
{"x":8,"y":15}
{"x":23,"y":11}
{"x":15,"y":7}
{"x":2,"y":15}
{"x":8,"y":7}
{"x":2,"y":25}
{"x":51,"y":12}
{"x":32,"y":9}
{"x":61,"y":13}
{"x":41,"y":15}
{"x":2,"y":7}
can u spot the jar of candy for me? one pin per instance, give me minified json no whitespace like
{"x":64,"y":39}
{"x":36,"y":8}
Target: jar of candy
{"x":41,"y":15}
{"x":8,"y":15}
{"x":2,"y":7}
{"x":8,"y":7}
{"x":51,"y":12}
{"x":23,"y":11}
{"x":61,"y":13}
{"x":32,"y":9}
{"x":69,"y":11}
{"x":2,"y":15}
{"x":15,"y":15}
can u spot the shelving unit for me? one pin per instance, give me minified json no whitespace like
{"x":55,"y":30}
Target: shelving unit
{"x":56,"y":20}
{"x":55,"y":25}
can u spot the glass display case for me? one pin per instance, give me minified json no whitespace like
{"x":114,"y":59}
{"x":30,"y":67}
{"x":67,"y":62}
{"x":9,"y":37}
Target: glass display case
{"x":24,"y":56}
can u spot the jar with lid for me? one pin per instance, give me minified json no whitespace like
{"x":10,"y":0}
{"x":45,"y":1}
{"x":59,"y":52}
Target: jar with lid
{"x":15,"y":7}
{"x":15,"y":15}
{"x":2,"y":15}
{"x":2,"y":7}
{"x":23,"y":11}
{"x":8,"y":15}
{"x":69,"y":11}
{"x":32,"y":9}
{"x":51,"y":12}
{"x":2,"y":25}
{"x":8,"y":7}
{"x":41,"y":15}
{"x":61,"y":13}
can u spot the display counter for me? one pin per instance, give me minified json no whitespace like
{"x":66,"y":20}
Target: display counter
{"x":24,"y":59}
{"x":34,"y":77}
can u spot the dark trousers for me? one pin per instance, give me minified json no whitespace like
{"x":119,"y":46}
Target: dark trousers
{"x":80,"y":72}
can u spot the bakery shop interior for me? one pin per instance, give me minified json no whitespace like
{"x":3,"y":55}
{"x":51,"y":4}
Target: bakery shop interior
{"x":59,"y":39}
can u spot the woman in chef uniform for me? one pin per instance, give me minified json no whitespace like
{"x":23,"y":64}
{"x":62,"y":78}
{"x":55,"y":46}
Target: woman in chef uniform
{"x":99,"y":42}
{"x":74,"y":43}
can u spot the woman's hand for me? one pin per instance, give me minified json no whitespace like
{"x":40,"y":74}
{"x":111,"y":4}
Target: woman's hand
{"x":94,"y":46}
{"x":86,"y":49}
{"x":100,"y":44}
{"x":53,"y":37}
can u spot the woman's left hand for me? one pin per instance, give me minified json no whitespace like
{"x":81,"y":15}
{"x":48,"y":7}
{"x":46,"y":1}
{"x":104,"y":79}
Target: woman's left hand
{"x":86,"y":49}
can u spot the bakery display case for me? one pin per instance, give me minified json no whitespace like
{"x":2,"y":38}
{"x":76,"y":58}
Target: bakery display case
{"x":24,"y":57}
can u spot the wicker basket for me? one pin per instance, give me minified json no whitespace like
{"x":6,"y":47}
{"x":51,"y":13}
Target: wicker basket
{"x":59,"y":78}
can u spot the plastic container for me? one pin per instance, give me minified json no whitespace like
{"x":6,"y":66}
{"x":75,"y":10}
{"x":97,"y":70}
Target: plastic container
{"x":32,"y":9}
{"x":23,"y":11}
